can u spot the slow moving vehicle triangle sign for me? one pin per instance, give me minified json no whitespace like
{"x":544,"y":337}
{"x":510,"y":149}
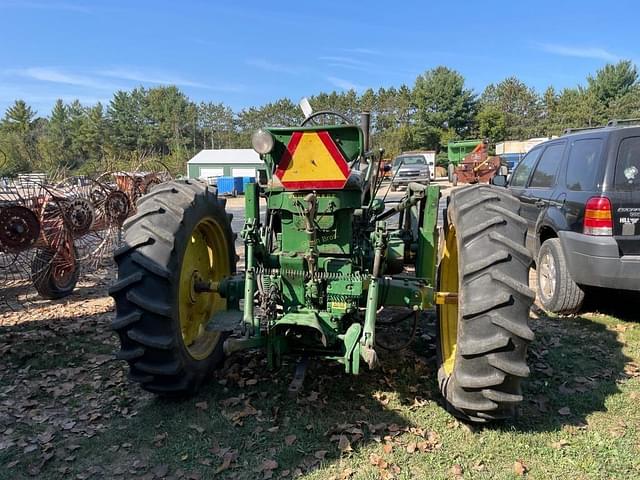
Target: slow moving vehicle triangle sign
{"x":311,"y":161}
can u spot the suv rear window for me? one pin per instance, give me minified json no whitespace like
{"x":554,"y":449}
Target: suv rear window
{"x":582,"y":166}
{"x":628,"y":164}
{"x":545,"y":173}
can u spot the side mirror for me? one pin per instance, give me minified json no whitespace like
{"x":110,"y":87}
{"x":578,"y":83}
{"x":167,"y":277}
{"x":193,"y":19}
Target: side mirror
{"x":499,"y":181}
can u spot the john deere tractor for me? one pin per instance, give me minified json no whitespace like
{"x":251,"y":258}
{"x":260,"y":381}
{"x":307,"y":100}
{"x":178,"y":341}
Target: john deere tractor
{"x":320,"y":259}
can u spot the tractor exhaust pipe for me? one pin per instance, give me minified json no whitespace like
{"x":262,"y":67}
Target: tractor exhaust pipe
{"x":365,"y":125}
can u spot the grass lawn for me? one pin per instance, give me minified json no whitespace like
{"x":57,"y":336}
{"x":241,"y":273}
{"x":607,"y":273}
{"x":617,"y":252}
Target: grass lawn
{"x":67,"y":409}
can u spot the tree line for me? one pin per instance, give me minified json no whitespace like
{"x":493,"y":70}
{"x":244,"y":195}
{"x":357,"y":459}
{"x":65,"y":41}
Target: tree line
{"x":163,"y":123}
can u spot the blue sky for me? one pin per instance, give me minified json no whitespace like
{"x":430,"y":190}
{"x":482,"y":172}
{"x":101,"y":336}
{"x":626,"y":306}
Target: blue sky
{"x":247,"y":53}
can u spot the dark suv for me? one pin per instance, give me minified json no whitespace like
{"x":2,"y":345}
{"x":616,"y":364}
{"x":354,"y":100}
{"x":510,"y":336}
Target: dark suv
{"x":580,"y":195}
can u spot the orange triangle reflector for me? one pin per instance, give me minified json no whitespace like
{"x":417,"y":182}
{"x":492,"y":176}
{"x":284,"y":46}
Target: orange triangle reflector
{"x":312,"y":161}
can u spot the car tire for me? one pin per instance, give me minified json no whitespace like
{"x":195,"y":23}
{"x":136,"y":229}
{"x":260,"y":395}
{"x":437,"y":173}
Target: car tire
{"x":557,"y":291}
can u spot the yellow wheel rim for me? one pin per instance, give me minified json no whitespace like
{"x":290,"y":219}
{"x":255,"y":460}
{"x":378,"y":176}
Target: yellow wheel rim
{"x":448,"y":313}
{"x":205,"y":260}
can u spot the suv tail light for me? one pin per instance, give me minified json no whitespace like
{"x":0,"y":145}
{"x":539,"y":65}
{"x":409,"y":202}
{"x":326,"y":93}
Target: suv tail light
{"x":597,"y":217}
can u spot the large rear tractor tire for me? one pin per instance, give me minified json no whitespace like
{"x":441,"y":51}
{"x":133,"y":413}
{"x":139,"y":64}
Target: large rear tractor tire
{"x":483,"y":337}
{"x":179,"y":240}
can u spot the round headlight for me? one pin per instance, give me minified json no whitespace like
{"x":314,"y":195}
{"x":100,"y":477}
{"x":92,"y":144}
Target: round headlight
{"x":262,"y":141}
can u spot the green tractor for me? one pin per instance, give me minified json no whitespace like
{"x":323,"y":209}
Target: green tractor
{"x":320,"y":261}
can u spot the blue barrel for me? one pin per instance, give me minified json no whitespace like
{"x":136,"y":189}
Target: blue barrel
{"x":226,"y":186}
{"x":238,"y":185}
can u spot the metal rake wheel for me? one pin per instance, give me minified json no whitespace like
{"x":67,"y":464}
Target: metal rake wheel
{"x":93,"y":211}
{"x":21,"y":233}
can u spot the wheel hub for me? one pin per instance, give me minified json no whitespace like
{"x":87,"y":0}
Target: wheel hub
{"x":79,"y":214}
{"x":205,"y":260}
{"x":19,"y":228}
{"x":116,"y":207}
{"x":547,"y":275}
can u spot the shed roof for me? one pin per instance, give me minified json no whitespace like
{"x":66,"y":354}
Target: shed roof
{"x":227,"y":156}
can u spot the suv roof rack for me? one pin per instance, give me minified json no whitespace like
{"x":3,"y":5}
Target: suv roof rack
{"x":579,"y":129}
{"x":623,"y":121}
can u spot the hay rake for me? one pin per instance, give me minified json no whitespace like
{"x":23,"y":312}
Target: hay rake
{"x":51,"y":233}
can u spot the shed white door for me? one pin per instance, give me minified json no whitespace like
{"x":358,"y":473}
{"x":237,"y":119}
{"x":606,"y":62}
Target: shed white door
{"x":211,"y":172}
{"x":243,"y":172}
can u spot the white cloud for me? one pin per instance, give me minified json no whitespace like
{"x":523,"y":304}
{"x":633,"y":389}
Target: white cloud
{"x":272,"y":67}
{"x":44,"y":98}
{"x":344,"y":84}
{"x":364,"y":51}
{"x":54,"y":75}
{"x":596,"y":53}
{"x":345,"y":60}
{"x":163,"y":78}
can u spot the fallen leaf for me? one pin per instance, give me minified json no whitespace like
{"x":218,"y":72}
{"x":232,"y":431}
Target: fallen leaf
{"x":289,"y":440}
{"x":560,"y":444}
{"x":197,"y":428}
{"x":564,"y":411}
{"x":202,"y":405}
{"x":160,"y":471}
{"x":346,"y":474}
{"x":46,"y":437}
{"x":226,"y":463}
{"x":320,"y":454}
{"x":68,"y":425}
{"x":160,"y":438}
{"x":456,"y":470}
{"x":520,"y":468}
{"x":387,"y":448}
{"x":269,"y":465}
{"x":378,"y":461}
{"x":343,"y":444}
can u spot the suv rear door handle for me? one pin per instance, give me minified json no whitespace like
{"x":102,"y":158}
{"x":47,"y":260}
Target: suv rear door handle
{"x":540,"y":203}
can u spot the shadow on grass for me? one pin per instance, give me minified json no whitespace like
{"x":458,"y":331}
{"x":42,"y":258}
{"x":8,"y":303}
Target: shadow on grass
{"x":245,"y":412}
{"x":246,"y":416}
{"x":576,"y":364}
{"x":22,"y":296}
{"x":622,"y":304}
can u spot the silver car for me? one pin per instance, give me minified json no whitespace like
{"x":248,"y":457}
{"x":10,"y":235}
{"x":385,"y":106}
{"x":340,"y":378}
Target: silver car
{"x":409,"y":168}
